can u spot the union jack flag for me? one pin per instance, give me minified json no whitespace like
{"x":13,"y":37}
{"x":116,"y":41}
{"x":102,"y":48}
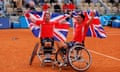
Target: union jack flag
{"x":60,"y":30}
{"x":95,"y":28}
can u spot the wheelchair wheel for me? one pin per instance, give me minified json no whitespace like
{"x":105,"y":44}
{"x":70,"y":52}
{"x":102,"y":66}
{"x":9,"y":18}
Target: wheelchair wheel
{"x":79,"y":58}
{"x":33,"y":53}
{"x":61,"y":56}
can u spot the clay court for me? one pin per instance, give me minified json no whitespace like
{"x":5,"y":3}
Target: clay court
{"x":16,"y":46}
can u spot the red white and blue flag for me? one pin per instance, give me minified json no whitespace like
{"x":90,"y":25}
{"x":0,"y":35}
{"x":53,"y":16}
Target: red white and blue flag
{"x":95,"y":28}
{"x":60,"y":30}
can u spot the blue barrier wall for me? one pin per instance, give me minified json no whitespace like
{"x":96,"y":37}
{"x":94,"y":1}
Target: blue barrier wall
{"x":108,"y":20}
{"x":23,"y":22}
{"x":4,"y":23}
{"x":16,"y":25}
{"x":116,"y":23}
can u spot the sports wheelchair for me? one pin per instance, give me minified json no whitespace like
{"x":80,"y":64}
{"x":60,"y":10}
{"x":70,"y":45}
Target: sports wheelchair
{"x":71,"y":54}
{"x":45,"y":53}
{"x":75,"y":55}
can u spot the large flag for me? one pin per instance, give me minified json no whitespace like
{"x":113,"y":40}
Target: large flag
{"x":95,"y":28}
{"x":60,"y":30}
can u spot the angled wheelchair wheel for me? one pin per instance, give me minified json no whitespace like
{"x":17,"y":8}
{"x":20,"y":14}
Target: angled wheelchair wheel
{"x":60,"y":56}
{"x":79,"y":58}
{"x":33,"y":53}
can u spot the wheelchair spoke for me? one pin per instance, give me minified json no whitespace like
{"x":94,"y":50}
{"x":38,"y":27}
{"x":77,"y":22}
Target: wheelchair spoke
{"x":83,"y":60}
{"x":79,"y":58}
{"x":72,"y":58}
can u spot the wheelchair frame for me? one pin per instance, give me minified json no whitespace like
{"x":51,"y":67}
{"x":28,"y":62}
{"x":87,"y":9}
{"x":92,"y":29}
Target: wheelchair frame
{"x":67,"y":60}
{"x":40,"y":52}
{"x":65,"y":55}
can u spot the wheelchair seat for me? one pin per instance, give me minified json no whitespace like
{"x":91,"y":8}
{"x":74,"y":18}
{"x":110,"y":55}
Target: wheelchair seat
{"x":47,"y":50}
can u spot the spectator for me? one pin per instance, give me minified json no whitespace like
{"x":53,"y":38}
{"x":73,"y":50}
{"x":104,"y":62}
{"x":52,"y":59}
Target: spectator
{"x":59,"y":2}
{"x":57,"y":7}
{"x":77,"y":2}
{"x":66,"y":1}
{"x":114,"y":1}
{"x":71,"y":1}
{"x":94,"y":1}
{"x":19,"y":7}
{"x":1,"y":8}
{"x":36,"y":2}
{"x":51,"y":2}
{"x":1,"y":12}
{"x":65,"y":8}
{"x":27,"y":1}
{"x":115,"y":10}
{"x":88,"y":1}
{"x":45,"y":6}
{"x":6,"y":4}
{"x":41,"y":2}
{"x":30,"y":6}
{"x":111,"y":1}
{"x":1,"y":4}
{"x":14,"y":3}
{"x":71,"y":6}
{"x":117,"y":1}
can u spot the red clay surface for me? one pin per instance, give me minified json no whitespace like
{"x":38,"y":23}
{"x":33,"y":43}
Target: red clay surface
{"x":16,"y":46}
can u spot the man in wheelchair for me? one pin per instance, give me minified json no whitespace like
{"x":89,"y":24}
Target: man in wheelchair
{"x":81,"y":26}
{"x":46,"y":38}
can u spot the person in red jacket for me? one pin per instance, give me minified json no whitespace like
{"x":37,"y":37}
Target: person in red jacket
{"x":46,"y":37}
{"x":65,"y":8}
{"x":71,"y":6}
{"x":45,"y":6}
{"x":47,"y":28}
{"x":80,"y":29}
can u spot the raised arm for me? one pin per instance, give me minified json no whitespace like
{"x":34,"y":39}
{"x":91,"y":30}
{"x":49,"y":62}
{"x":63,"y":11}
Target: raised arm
{"x":91,"y":18}
{"x":33,"y":18}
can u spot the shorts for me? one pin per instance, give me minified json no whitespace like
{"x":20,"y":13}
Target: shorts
{"x":43,"y":40}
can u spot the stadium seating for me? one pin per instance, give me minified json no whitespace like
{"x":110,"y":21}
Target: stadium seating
{"x":20,"y":23}
{"x":9,"y":11}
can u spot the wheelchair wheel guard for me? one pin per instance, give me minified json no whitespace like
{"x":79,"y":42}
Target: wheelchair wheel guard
{"x":33,"y":53}
{"x":61,"y":56}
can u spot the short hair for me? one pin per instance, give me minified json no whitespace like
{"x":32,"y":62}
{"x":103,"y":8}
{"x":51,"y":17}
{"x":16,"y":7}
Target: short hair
{"x":82,"y":16}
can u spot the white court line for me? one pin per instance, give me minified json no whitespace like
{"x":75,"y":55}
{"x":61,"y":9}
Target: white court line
{"x":113,"y":34}
{"x":101,"y":54}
